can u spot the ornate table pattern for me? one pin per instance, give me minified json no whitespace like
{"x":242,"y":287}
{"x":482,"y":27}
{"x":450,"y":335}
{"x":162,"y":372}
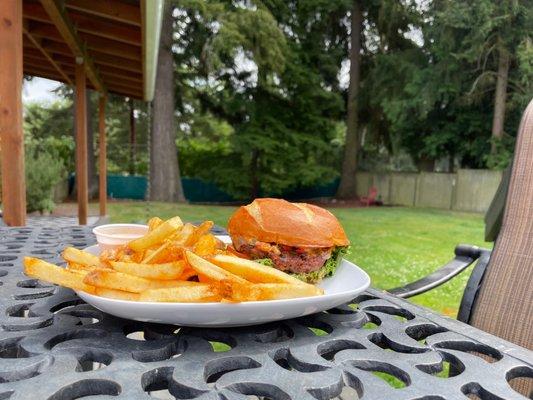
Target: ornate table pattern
{"x":55,"y":347}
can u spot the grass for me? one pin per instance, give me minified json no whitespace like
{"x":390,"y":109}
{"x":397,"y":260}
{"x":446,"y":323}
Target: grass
{"x":395,"y":245}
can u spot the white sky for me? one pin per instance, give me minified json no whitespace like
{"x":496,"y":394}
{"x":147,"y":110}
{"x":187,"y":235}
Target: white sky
{"x":39,"y":90}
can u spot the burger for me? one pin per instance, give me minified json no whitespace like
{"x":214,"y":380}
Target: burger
{"x":298,"y":238}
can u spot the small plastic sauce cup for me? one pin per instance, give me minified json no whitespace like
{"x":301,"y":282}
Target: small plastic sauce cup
{"x":112,"y":236}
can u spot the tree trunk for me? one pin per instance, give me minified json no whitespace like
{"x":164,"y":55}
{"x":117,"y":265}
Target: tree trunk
{"x":451,"y":163}
{"x":165,"y":181}
{"x":133,"y":139}
{"x":347,"y":189}
{"x":426,"y":164}
{"x":499,"y":98}
{"x":91,"y":158}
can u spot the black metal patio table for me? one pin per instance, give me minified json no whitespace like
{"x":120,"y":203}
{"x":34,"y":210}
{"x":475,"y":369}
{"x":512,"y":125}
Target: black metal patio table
{"x":53,"y":346}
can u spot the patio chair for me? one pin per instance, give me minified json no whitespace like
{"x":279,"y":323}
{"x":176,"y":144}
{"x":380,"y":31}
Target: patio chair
{"x":498,"y":297}
{"x":371,"y":198}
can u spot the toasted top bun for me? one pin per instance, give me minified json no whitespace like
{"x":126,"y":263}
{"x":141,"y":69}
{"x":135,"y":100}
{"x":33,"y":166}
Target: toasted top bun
{"x":292,"y":224}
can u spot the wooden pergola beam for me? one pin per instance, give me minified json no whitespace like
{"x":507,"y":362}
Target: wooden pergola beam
{"x":11,"y":134}
{"x":118,"y":62}
{"x":103,"y":45}
{"x":130,"y":63}
{"x":122,"y":71}
{"x":102,"y":157}
{"x":123,"y":12}
{"x":37,"y":43}
{"x":85,"y":23}
{"x":110,"y":30}
{"x":127,"y":84}
{"x":126,"y":87}
{"x":45,"y":31}
{"x":40,"y":66}
{"x":47,"y":75}
{"x":123,"y":91}
{"x":81,"y":144}
{"x":43,"y":73}
{"x":65,"y":27}
{"x":107,"y":46}
{"x":122,"y":84}
{"x":104,"y":60}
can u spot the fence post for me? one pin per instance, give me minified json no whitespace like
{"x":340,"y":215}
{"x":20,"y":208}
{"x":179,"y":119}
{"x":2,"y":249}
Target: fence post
{"x":417,"y":186}
{"x":454,"y":191}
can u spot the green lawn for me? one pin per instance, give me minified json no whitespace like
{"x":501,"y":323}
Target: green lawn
{"x":394,"y":245}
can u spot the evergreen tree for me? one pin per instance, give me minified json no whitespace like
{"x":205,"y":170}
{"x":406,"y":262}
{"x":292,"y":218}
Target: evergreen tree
{"x":270,"y":71}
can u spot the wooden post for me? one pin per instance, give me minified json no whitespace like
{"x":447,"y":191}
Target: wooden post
{"x":81,"y":144}
{"x":102,"y":189}
{"x":11,"y":134}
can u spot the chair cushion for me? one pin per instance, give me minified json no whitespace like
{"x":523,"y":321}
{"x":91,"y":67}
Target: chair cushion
{"x":504,"y":306}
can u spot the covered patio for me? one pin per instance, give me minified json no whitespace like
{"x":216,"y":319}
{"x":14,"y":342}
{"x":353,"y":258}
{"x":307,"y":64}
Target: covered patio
{"x":109,"y":46}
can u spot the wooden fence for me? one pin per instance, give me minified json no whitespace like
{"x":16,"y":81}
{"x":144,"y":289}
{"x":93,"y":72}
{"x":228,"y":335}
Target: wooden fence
{"x":466,"y":190}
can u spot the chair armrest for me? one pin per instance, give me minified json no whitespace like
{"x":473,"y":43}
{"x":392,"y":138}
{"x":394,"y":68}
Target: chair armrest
{"x":465,"y":255}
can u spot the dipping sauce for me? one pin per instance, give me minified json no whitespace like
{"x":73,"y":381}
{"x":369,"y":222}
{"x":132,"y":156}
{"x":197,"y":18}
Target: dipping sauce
{"x":112,"y":236}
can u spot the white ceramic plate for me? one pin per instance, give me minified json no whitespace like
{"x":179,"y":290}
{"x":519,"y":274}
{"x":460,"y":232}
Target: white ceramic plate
{"x":348,"y":281}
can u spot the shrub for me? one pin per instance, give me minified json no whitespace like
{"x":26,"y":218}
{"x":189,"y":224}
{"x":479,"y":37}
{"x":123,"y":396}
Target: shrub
{"x":43,"y":172}
{"x":503,"y":153}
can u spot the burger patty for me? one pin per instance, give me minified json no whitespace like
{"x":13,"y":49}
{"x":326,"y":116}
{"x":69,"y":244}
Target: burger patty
{"x":299,"y":260}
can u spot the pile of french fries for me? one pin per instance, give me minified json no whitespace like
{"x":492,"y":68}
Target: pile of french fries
{"x":173,"y":262}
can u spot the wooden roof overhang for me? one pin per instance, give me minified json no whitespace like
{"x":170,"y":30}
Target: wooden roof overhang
{"x":116,"y":40}
{"x":107,"y":45}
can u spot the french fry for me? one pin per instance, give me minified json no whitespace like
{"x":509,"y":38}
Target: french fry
{"x":80,"y":268}
{"x":166,"y":271}
{"x":187,"y":274}
{"x":269,"y":291}
{"x":116,"y":294}
{"x":136,"y":257}
{"x":201,"y":230}
{"x":45,"y":271}
{"x":151,"y":255}
{"x":122,"y":253}
{"x":170,"y":253}
{"x":199,"y":293}
{"x":154,"y":223}
{"x":252,"y":271}
{"x":206,"y":245}
{"x":128,"y":283}
{"x":156,"y":236}
{"x":182,"y":237}
{"x":110,"y":255}
{"x":71,"y":254}
{"x":204,"y":279}
{"x":211,"y":271}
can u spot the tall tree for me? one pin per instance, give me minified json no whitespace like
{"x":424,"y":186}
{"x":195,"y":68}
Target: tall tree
{"x":165,"y":180}
{"x":283,"y":126}
{"x":440,"y":98}
{"x":347,"y":186}
{"x":269,"y":69}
